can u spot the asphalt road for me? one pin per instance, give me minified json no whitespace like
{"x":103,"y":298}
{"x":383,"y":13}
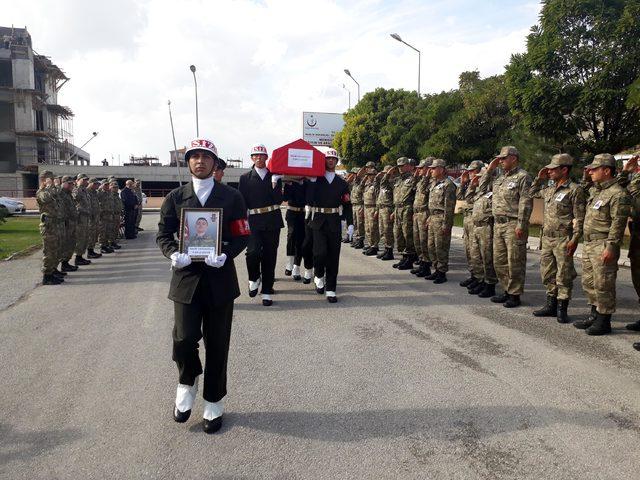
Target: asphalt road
{"x":399,"y":379}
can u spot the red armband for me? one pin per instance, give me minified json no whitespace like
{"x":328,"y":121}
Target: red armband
{"x":240,"y":227}
{"x":346,"y":198}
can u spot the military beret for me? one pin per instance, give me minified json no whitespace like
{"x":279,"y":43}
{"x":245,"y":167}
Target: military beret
{"x":68,"y":178}
{"x":560,"y":160}
{"x":402,"y":161}
{"x":438,"y":162}
{"x":475,"y":165}
{"x":46,"y":174}
{"x":370,"y":165}
{"x":603,"y":160}
{"x":82,"y":175}
{"x":508,"y":150}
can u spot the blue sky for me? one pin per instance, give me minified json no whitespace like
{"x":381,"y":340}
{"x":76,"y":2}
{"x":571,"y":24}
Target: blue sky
{"x":260,"y":64}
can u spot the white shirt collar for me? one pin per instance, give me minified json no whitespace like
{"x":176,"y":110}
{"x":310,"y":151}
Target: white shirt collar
{"x":261,"y":171}
{"x":329,"y":176}
{"x":202,"y":188}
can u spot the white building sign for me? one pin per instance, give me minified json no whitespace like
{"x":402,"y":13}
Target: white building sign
{"x":320,"y":128}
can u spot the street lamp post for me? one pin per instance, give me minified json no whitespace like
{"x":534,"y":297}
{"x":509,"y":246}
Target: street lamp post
{"x":195,"y":83}
{"x":349,"y":92}
{"x":175,"y":147}
{"x":351,"y":77}
{"x":93,"y":135}
{"x":397,"y":37}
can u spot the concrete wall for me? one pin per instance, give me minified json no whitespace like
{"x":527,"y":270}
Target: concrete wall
{"x":23,"y":75}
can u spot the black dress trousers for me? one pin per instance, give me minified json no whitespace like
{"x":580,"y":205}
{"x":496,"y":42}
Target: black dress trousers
{"x":262,"y":254}
{"x":295,"y":235}
{"x":326,"y":256}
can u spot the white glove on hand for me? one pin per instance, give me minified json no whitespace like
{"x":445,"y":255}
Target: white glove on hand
{"x":350,"y":231}
{"x":215,"y":261}
{"x":180,"y":260}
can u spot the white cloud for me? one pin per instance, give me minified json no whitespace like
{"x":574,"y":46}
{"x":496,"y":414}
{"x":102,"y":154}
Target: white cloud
{"x":259,"y":64}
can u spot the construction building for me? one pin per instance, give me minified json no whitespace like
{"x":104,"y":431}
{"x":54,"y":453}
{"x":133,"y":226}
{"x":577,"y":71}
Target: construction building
{"x":34,"y":129}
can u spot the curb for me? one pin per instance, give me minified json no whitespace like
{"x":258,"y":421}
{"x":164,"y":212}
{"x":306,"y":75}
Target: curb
{"x":22,"y":253}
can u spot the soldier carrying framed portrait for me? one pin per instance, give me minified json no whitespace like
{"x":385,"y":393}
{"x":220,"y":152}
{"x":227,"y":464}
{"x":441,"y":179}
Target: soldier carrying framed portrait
{"x":200,"y":232}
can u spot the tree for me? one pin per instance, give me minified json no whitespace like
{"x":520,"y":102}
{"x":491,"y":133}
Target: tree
{"x":572,"y":85}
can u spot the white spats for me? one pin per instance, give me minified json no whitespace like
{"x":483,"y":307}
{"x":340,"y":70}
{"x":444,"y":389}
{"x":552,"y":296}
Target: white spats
{"x":266,"y":296}
{"x":254,"y":285}
{"x":213,"y":410}
{"x":330,"y":294}
{"x":295,"y":271}
{"x":186,"y":396}
{"x":308,"y":274}
{"x":319,"y":282}
{"x":289,"y":265}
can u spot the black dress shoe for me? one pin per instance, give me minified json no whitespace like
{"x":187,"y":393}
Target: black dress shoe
{"x":297,"y":278}
{"x":267,"y":303}
{"x":179,"y":416}
{"x":637,"y":346}
{"x":106,"y":250}
{"x":306,"y":281}
{"x":634,"y":327}
{"x":116,"y":246}
{"x":140,"y":229}
{"x":319,"y":291}
{"x":332,"y":299}
{"x":211,"y":426}
{"x":253,"y":293}
{"x":287,"y":273}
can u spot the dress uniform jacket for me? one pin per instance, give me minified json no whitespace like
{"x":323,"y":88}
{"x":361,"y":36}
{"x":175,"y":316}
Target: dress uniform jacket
{"x":259,"y":193}
{"x":323,"y":194}
{"x":235,"y":231}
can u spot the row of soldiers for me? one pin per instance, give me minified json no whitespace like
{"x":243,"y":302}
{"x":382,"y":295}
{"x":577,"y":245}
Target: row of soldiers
{"x":76,"y":213}
{"x":412,"y":208}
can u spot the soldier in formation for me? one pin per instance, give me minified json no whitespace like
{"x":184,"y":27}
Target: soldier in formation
{"x":403,"y":195}
{"x":370,"y":190}
{"x":357,"y":202}
{"x":421,"y":218}
{"x":466,"y":193}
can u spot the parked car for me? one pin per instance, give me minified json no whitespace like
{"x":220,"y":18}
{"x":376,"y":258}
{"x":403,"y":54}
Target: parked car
{"x":12,"y":205}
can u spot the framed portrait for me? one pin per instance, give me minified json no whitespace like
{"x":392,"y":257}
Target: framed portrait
{"x":200,"y":232}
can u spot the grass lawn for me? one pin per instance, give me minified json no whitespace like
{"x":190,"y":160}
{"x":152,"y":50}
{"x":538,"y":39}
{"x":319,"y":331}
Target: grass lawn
{"x":17,"y":234}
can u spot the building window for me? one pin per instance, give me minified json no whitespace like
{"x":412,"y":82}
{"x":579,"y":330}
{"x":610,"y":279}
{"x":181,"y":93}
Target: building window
{"x":6,"y":75}
{"x":39,"y":120}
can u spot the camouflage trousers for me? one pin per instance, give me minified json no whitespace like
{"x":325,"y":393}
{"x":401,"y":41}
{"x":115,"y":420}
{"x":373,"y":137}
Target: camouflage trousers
{"x":599,"y":280}
{"x":103,"y":229}
{"x":634,"y":257}
{"x":371,"y":227}
{"x":114,"y":229}
{"x":556,"y":267}
{"x":386,"y":225}
{"x":139,"y":216}
{"x":420,"y":235}
{"x":482,"y":253}
{"x":358,"y":222}
{"x":82,"y":234}
{"x":50,"y":232}
{"x":510,"y":257}
{"x":403,"y":230}
{"x":439,"y":242}
{"x":92,"y":237}
{"x":467,"y":238}
{"x":70,"y":238}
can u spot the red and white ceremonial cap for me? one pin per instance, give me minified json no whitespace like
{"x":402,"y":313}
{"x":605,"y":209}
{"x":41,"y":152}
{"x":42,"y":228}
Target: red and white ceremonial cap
{"x":201,"y":144}
{"x":331,"y":153}
{"x":259,"y":149}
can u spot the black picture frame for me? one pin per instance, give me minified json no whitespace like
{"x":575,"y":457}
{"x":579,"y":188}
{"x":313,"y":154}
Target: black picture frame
{"x":190,"y":221}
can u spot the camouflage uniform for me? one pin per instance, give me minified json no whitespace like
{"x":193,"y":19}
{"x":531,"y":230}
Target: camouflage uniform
{"x":633,"y":187}
{"x":357,"y":203}
{"x":512,"y":208}
{"x":70,"y":224}
{"x":384,"y":203}
{"x":403,"y":194}
{"x":116,"y":217}
{"x":83,"y":206}
{"x":104,"y":201}
{"x":466,"y":193}
{"x":372,"y":229}
{"x":442,"y":205}
{"x":138,"y":191}
{"x":50,"y":227}
{"x":420,"y":217}
{"x":94,"y":218}
{"x":482,"y":240}
{"x":564,"y":211}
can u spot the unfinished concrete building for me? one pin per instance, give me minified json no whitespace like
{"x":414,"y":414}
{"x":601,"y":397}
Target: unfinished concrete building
{"x":34,"y":128}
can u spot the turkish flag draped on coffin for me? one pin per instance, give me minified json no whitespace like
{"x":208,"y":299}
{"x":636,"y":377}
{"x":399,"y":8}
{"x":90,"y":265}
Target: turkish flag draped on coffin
{"x":297,"y":159}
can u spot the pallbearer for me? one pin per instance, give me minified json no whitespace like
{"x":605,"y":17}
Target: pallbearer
{"x":328,"y":196}
{"x":262,"y":193}
{"x":295,"y":196}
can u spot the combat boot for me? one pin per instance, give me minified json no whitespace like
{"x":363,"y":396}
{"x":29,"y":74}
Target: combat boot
{"x":563,"y":316}
{"x":473,"y":283}
{"x":359,"y":244}
{"x":488,"y":292}
{"x":500,"y":298}
{"x":424,"y":270}
{"x":467,"y":281}
{"x":58,"y":276}
{"x":416,"y":269}
{"x":372,"y":251}
{"x":601,"y":325}
{"x":92,"y":254}
{"x":402,"y":260}
{"x":477,"y":289}
{"x":441,"y":277}
{"x":388,"y":254}
{"x":67,"y":267}
{"x":584,"y":324}
{"x":408,"y":263}
{"x":512,"y":302}
{"x":49,"y":279}
{"x":59,"y":273}
{"x":116,"y":246}
{"x":81,"y":261}
{"x":432,"y":276}
{"x":106,"y":249}
{"x":635,"y":326}
{"x":381,"y":254}
{"x":549,"y":310}
{"x":346,"y":240}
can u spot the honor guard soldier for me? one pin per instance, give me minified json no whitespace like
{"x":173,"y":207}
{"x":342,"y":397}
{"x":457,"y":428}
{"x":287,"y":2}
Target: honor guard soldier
{"x":608,"y":209}
{"x":369,"y":197}
{"x":68,"y":205}
{"x":564,"y":211}
{"x":50,"y":225}
{"x":262,"y":193}
{"x":294,"y":193}
{"x":94,"y":218}
{"x":203,"y":292}
{"x":466,"y":194}
{"x":404,"y":189}
{"x":421,"y":217}
{"x":482,"y":238}
{"x":512,"y":208}
{"x":442,"y":205}
{"x":83,"y":206}
{"x":385,"y":206}
{"x":357,"y":202}
{"x":328,"y":196}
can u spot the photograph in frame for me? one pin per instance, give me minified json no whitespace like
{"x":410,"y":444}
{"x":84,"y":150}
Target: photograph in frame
{"x":200,"y":232}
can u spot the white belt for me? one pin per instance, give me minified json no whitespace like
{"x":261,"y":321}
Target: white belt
{"x":271,"y":208}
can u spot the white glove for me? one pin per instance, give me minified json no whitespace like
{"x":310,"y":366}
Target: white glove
{"x":215,"y":261}
{"x":275,"y":178}
{"x":180,"y":260}
{"x":350,"y":231}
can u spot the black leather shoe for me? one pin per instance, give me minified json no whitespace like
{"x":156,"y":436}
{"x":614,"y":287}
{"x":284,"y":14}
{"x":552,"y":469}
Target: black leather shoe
{"x":500,"y":298}
{"x":637,"y":346}
{"x":332,"y":299}
{"x":466,"y":282}
{"x":512,"y":302}
{"x":432,"y":276}
{"x":179,"y":416}
{"x":371,"y":252}
{"x":93,"y":254}
{"x":550,"y":308}
{"x":140,"y":229}
{"x":440,"y":278}
{"x":477,"y":289}
{"x":211,"y":426}
{"x":67,"y":267}
{"x":319,"y":291}
{"x":287,"y":273}
{"x":81,"y":261}
{"x":563,"y":315}
{"x":106,"y":249}
{"x":601,"y":326}
{"x":59,"y":273}
{"x":116,"y":246}
{"x":267,"y":303}
{"x":297,"y":278}
{"x":306,"y":281}
{"x":634,"y":327}
{"x":59,"y":277}
{"x":388,"y":255}
{"x":253,"y":293}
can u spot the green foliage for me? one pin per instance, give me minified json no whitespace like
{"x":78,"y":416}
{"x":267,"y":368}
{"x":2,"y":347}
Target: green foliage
{"x":574,"y":83}
{"x":4,"y":213}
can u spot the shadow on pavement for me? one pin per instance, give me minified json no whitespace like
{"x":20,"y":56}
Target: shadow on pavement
{"x":16,"y":445}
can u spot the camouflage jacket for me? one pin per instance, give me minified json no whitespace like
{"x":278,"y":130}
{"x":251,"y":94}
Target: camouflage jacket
{"x":421,"y":200}
{"x":633,"y":187}
{"x":48,"y":202}
{"x":511,"y":195}
{"x":482,"y":211}
{"x":385,"y":193}
{"x":564,"y":208}
{"x":94,"y":201}
{"x":116,"y":204}
{"x":404,"y":189}
{"x":370,"y":191}
{"x":357,"y":188}
{"x":466,"y":193}
{"x":442,"y":198}
{"x":608,"y":209}
{"x":83,"y":203}
{"x":69,"y":206}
